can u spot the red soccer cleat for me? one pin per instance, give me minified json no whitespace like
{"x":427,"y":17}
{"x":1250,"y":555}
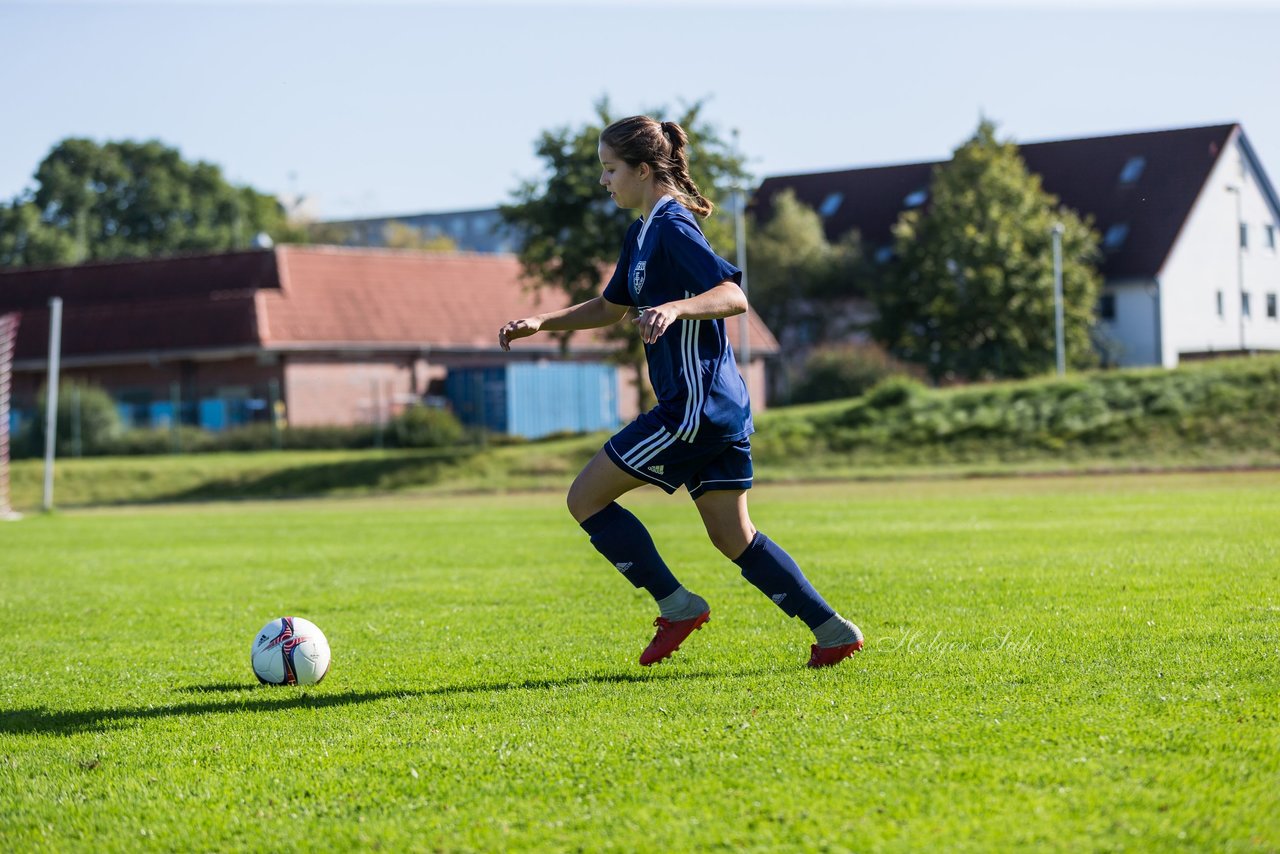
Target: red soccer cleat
{"x":827,"y":656}
{"x":671,"y":633}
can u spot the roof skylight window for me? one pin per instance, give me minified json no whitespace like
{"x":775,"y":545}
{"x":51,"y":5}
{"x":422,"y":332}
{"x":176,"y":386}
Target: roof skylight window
{"x":830,"y":204}
{"x":917,"y":198}
{"x":1132,"y":170}
{"x":1114,"y":238}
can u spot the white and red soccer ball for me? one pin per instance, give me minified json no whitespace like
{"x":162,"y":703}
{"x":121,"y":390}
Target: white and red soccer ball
{"x":290,"y":651}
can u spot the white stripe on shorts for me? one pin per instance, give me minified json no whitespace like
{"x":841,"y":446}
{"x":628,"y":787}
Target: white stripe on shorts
{"x":639,"y":448}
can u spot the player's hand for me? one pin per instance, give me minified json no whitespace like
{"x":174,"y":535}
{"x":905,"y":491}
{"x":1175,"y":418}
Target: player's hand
{"x":654,"y":321}
{"x":522,"y":328}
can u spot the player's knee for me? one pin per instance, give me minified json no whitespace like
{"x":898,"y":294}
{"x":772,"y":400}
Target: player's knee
{"x":582,"y":505}
{"x":730,"y":540}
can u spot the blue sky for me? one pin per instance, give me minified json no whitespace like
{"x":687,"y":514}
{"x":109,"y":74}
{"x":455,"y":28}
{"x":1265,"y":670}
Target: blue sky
{"x":372,"y":109}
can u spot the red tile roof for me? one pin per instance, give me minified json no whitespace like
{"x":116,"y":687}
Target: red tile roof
{"x":290,"y":297}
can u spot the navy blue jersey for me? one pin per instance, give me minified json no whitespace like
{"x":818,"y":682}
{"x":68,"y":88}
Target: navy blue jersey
{"x":701,"y":395}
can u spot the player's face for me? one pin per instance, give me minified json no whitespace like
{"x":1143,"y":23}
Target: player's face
{"x":622,"y":181}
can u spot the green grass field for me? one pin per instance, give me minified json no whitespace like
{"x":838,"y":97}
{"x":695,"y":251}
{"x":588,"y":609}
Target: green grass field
{"x":1056,"y":663}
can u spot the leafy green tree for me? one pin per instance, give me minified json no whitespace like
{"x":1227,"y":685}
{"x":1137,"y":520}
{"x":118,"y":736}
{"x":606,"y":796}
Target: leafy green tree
{"x":131,"y":200}
{"x":836,"y":371}
{"x":399,"y":235}
{"x":970,"y":294}
{"x":798,"y":277}
{"x":330,"y":233}
{"x":572,"y":231}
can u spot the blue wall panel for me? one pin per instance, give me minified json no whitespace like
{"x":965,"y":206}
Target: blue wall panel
{"x":534,"y":399}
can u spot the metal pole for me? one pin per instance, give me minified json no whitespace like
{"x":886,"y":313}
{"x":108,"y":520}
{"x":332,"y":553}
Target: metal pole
{"x":375,"y":398}
{"x":51,"y":398}
{"x":77,"y":443}
{"x":175,"y":421}
{"x":1239,"y":257}
{"x":277,"y":435}
{"x":740,"y":240}
{"x":1059,"y":335}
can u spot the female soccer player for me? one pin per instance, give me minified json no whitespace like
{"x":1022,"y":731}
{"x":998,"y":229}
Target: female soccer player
{"x":679,"y":292}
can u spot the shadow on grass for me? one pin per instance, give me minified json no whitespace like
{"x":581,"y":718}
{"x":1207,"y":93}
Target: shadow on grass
{"x":39,"y":721}
{"x":381,"y":473}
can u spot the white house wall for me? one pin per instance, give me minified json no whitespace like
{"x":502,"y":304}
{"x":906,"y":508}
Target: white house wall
{"x":1132,"y":332}
{"x":1205,"y":260}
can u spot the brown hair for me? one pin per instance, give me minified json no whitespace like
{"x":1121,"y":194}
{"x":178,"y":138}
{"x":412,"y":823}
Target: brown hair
{"x":662,"y":145}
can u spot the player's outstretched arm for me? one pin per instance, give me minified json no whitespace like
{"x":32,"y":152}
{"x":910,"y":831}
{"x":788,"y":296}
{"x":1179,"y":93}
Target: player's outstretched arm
{"x":592,"y":314}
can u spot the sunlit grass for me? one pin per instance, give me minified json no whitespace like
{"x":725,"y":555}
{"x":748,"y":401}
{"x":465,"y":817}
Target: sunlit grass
{"x":1064,"y":663}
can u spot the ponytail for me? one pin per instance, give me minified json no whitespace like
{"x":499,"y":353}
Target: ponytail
{"x":690,"y":196}
{"x":664,"y":146}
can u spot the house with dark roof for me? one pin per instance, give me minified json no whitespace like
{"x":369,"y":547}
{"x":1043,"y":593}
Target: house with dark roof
{"x":1188,"y":219}
{"x":333,"y":335}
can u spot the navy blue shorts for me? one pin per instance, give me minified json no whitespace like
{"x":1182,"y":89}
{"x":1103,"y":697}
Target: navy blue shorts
{"x":646,"y":450}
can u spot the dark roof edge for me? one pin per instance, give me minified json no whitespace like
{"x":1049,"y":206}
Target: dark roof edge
{"x":124,"y":262}
{"x":1018,"y":144}
{"x":1264,"y":182}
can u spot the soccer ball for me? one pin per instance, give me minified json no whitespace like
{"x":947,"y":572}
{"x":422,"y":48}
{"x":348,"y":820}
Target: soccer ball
{"x":290,"y":651}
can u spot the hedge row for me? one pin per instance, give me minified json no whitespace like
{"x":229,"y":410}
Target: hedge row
{"x":416,"y":427}
{"x":1227,"y":403}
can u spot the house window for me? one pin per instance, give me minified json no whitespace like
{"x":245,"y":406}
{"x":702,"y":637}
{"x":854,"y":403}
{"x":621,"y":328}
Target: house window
{"x":1115,"y":236}
{"x":1132,"y":170}
{"x":830,"y":204}
{"x":1244,"y":236}
{"x":1271,"y":306}
{"x":1244,"y":304}
{"x":1221,"y":308}
{"x":1107,"y":307}
{"x":1271,"y":237}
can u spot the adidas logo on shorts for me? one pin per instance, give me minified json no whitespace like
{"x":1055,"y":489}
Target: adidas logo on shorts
{"x":656,"y":469}
{"x":623,"y":567}
{"x":778,"y":597}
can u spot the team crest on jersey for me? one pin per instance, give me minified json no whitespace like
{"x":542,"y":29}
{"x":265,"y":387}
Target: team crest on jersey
{"x":637,"y":278}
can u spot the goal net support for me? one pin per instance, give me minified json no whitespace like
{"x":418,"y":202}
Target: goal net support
{"x":8,"y":337}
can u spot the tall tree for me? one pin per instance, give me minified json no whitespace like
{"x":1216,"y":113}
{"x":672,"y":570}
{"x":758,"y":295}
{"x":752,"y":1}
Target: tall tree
{"x":798,"y":277}
{"x":970,"y":293}
{"x":399,"y":235}
{"x":129,"y":200}
{"x":571,"y":230}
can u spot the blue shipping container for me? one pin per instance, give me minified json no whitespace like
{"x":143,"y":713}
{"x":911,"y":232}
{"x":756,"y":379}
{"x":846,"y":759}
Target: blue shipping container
{"x":534,"y":399}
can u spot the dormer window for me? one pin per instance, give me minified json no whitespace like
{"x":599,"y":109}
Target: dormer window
{"x":1114,"y":238}
{"x":1132,"y":170}
{"x":830,"y":204}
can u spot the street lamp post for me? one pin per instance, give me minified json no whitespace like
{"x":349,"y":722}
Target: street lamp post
{"x":740,"y":241}
{"x":1059,"y":336}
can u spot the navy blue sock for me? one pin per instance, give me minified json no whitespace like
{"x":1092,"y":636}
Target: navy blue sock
{"x":771,"y":569}
{"x":622,"y":538}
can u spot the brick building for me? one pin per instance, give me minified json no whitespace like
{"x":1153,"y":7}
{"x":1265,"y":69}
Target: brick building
{"x":335,"y":335}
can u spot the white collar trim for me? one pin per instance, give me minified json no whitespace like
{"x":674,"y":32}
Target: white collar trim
{"x":645,"y":228}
